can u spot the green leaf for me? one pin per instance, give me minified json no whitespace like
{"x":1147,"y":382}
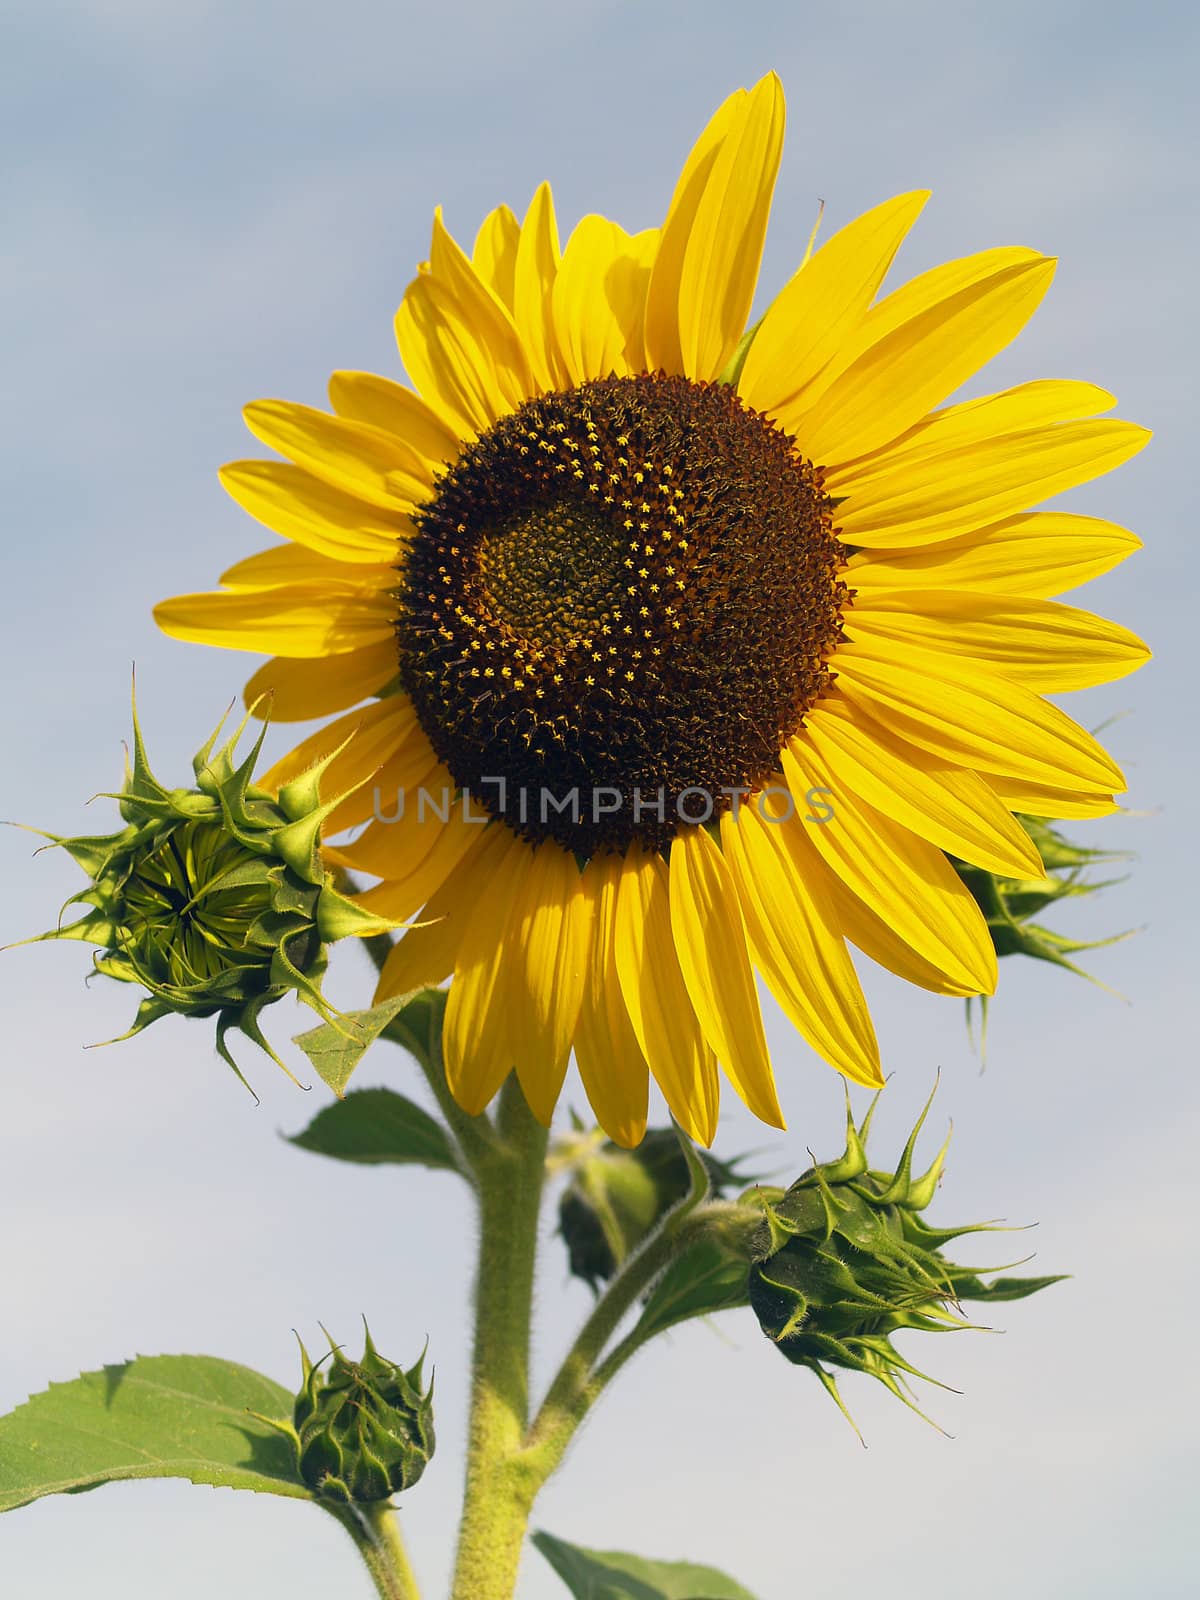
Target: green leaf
{"x":377,"y":1126}
{"x":153,"y":1417}
{"x":418,"y":1026}
{"x":336,"y":1048}
{"x":612,"y":1575}
{"x":707,"y":1277}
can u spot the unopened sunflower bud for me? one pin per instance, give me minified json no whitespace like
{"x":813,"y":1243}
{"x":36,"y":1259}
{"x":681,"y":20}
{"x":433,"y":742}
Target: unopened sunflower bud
{"x":845,"y":1260}
{"x":364,"y":1429}
{"x":1010,"y":904}
{"x":616,"y":1196}
{"x":213,"y":899}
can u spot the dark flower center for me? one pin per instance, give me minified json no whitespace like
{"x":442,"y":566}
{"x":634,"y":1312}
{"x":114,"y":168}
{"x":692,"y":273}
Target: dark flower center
{"x":617,"y":607}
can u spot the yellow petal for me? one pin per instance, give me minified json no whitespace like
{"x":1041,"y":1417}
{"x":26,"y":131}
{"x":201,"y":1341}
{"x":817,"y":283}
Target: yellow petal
{"x":598,"y":301}
{"x":484,"y":313}
{"x":381,"y":752}
{"x":614,"y":1071}
{"x":299,"y":690}
{"x":425,"y":954}
{"x":287,"y":565}
{"x":1029,"y":405}
{"x":895,"y":382}
{"x":442,"y":358}
{"x":368,"y":463}
{"x":380,"y":403}
{"x":903,"y":878}
{"x":458,"y":342}
{"x":883,"y":945}
{"x":475,"y":1036}
{"x":950,"y":806}
{"x":725,"y":243}
{"x":965,"y":489}
{"x":550,"y":939}
{"x":536,"y":268}
{"x":416,"y":848}
{"x":288,"y":622}
{"x":411,"y":767}
{"x":656,"y":997}
{"x":663,"y":349}
{"x":1045,"y":646}
{"x":702,"y":284}
{"x":1041,"y":554}
{"x":974,"y":718}
{"x":911,"y":300}
{"x":494,"y":255}
{"x":294,"y":503}
{"x":816,"y":310}
{"x":796,"y":940}
{"x":369,"y":734}
{"x":710,"y":942}
{"x":1035,"y":800}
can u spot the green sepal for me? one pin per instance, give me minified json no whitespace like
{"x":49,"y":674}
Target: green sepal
{"x":732,"y":370}
{"x":340,"y":918}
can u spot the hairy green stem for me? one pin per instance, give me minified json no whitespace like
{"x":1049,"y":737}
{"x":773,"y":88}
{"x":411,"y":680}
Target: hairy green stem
{"x":375,"y":1530}
{"x":582,"y":1375}
{"x":499,"y":1483}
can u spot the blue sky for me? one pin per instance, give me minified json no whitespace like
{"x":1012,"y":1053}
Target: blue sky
{"x":209,"y":202}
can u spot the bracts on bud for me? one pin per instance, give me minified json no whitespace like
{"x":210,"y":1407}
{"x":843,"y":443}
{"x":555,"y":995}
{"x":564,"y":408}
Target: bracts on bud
{"x":213,"y":899}
{"x":844,"y":1260}
{"x":363,"y":1429}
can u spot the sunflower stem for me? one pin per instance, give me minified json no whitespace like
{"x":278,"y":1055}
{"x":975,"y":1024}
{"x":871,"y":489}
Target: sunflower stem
{"x":583,"y":1375}
{"x":375,"y":1530}
{"x":500,"y":1480}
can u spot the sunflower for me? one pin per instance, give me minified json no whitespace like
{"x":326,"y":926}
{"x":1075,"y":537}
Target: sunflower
{"x":666,"y":649}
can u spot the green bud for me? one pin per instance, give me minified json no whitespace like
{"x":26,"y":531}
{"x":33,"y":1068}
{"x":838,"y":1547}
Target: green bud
{"x":213,"y":899}
{"x":845,"y":1260}
{"x":1010,"y":904}
{"x":364,"y":1429}
{"x":616,"y":1196}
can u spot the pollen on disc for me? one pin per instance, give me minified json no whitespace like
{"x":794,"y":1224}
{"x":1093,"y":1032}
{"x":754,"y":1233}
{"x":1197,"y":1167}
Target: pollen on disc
{"x":628,"y":589}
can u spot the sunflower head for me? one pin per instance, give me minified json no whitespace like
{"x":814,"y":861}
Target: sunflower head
{"x":734,"y":633}
{"x":845,"y":1260}
{"x":213,"y":899}
{"x":364,"y":1429}
{"x":616,"y":1196}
